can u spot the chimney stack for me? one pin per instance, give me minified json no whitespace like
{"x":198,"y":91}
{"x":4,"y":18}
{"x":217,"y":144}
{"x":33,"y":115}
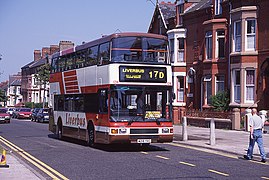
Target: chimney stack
{"x":37,"y":55}
{"x":54,"y":49}
{"x":45,"y":51}
{"x":65,"y":45}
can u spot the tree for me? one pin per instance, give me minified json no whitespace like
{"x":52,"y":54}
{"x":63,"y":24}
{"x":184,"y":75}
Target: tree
{"x":220,"y":101}
{"x":42,"y":77}
{"x":3,"y":97}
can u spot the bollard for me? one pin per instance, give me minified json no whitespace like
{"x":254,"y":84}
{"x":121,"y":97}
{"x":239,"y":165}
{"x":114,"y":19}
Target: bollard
{"x":212,"y":132}
{"x":184,"y":129}
{"x":3,"y":162}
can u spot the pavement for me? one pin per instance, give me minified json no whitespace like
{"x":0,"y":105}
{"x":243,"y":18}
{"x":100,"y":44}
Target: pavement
{"x":229,"y":141}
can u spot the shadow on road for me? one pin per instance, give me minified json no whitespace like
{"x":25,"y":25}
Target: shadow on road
{"x":115,"y":147}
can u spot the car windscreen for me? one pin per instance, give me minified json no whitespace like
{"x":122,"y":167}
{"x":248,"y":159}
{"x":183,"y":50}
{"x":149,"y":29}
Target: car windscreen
{"x":25,"y":110}
{"x":3,"y":110}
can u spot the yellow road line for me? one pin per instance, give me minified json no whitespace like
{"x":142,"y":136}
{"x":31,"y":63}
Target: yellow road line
{"x":265,"y":178}
{"x":162,"y":157}
{"x":143,"y":152}
{"x":217,"y":172}
{"x":30,"y":160}
{"x":16,"y":148}
{"x":188,"y":164}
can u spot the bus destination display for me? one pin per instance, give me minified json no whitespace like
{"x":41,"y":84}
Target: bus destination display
{"x":142,"y":74}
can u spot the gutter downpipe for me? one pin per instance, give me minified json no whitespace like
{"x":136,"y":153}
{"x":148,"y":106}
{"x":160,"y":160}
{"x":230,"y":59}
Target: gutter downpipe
{"x":229,"y":60}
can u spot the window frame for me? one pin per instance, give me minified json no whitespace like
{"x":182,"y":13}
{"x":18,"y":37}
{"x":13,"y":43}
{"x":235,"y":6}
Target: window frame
{"x":236,"y":36}
{"x":217,"y":82}
{"x":236,"y":97}
{"x":180,"y":88}
{"x":218,"y":7}
{"x":218,"y":37}
{"x":209,"y":45}
{"x":250,"y":34}
{"x":249,"y":85}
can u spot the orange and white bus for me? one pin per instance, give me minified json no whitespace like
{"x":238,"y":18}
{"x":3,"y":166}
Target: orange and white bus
{"x":116,"y":89}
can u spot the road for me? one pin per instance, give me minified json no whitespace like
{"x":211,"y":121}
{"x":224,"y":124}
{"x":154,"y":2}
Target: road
{"x":75,"y":160}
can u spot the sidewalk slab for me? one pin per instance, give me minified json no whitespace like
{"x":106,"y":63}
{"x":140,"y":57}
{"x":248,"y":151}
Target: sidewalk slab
{"x":17,"y":170}
{"x":230,"y":141}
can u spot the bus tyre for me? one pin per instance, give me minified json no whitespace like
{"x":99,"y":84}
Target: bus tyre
{"x":59,"y":131}
{"x":91,"y":136}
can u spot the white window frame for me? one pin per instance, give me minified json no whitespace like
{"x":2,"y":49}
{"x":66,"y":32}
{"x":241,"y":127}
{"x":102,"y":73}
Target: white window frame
{"x":251,"y":34}
{"x":180,"y":89}
{"x":219,"y":81}
{"x":237,"y":37}
{"x":209,"y":44}
{"x":207,"y":82}
{"x":247,"y":86}
{"x":218,"y":37}
{"x":236,"y":87}
{"x":218,"y":7}
{"x":180,"y":54}
{"x":172,"y":50}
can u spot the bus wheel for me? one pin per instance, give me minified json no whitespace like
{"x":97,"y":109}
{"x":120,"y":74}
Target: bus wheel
{"x":59,"y":130}
{"x":91,"y":136}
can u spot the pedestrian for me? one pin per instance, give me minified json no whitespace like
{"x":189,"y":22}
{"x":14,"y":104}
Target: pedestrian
{"x":256,"y":124}
{"x":139,"y":105}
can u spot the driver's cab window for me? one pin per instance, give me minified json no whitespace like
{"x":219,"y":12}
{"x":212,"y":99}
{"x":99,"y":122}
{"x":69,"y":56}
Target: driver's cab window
{"x":103,"y":96}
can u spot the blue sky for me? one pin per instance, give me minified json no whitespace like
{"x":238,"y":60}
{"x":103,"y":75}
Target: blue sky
{"x":26,"y":25}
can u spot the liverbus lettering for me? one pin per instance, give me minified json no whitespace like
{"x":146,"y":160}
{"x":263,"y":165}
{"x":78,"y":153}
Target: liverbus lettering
{"x":75,"y":121}
{"x":116,"y":89}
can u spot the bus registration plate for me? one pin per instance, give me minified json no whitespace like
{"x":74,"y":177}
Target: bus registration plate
{"x":143,"y":141}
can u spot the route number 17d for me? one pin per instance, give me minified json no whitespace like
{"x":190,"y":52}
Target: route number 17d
{"x":156,"y":75}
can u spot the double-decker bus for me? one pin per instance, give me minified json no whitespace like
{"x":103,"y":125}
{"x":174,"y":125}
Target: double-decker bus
{"x":116,"y":89}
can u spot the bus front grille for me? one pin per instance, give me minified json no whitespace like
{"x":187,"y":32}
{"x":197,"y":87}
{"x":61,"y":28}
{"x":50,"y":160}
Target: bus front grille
{"x":143,"y":131}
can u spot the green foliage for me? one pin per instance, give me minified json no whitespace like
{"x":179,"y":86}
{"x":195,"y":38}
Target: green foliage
{"x":221,"y":101}
{"x":43,"y":74}
{"x":3,"y":97}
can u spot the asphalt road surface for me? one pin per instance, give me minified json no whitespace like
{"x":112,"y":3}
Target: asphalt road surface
{"x":75,"y":160}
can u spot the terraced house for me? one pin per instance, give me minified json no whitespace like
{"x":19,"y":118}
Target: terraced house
{"x":219,"y":45}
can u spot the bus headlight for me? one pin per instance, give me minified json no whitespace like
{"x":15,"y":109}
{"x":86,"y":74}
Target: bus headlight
{"x":123,"y":130}
{"x":165,"y":130}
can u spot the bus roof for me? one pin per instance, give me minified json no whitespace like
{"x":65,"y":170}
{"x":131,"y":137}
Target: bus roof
{"x":106,"y":39}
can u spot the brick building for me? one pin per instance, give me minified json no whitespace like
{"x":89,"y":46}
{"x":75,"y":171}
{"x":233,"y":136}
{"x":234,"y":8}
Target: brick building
{"x":219,"y":45}
{"x":31,"y":90}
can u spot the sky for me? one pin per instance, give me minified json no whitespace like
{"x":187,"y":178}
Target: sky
{"x":27,"y":25}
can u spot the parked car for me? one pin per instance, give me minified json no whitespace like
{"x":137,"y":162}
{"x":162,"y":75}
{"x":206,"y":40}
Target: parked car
{"x":43,"y":115}
{"x":4,"y":116}
{"x":34,"y":114}
{"x":10,"y":111}
{"x":22,"y":113}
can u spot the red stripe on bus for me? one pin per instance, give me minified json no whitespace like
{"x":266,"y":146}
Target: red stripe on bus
{"x":71,"y":83}
{"x":70,"y":73}
{"x":74,"y":78}
{"x":71,"y":87}
{"x":72,"y":91}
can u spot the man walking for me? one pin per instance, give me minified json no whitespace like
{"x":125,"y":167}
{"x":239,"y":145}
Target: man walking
{"x":256,"y":124}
